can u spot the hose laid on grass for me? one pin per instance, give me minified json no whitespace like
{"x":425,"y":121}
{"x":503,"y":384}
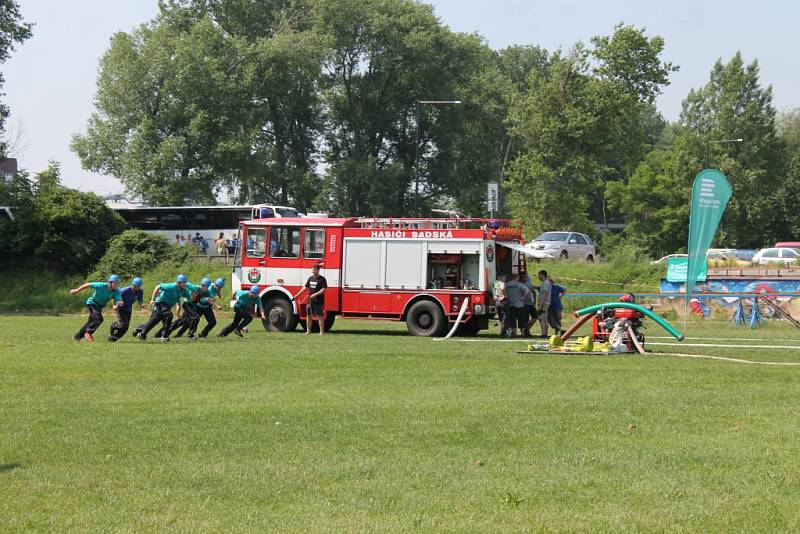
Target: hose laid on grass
{"x":641,"y":309}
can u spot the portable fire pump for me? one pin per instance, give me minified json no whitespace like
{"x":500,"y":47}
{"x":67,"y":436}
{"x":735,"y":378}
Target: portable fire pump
{"x":617,"y":326}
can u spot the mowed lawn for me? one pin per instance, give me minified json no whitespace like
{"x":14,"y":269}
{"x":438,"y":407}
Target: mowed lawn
{"x":369,"y":429}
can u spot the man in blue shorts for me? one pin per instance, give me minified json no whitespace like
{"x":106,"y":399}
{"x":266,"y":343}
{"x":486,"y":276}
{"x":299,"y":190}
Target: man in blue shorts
{"x":129,"y":294}
{"x":103,"y":292}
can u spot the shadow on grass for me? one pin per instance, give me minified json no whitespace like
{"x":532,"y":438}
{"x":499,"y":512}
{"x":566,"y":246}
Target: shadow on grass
{"x":9,"y":467}
{"x":362,"y":332}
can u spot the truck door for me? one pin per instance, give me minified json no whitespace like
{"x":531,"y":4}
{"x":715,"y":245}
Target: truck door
{"x":284,"y":262}
{"x":314,"y":240}
{"x":254,"y":264}
{"x":237,"y":262}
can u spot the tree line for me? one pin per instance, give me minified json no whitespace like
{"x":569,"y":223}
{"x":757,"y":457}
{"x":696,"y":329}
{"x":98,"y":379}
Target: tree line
{"x":316,"y":104}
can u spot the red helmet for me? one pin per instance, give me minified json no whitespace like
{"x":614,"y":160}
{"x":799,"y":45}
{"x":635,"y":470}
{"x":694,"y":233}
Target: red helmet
{"x":628,"y":297}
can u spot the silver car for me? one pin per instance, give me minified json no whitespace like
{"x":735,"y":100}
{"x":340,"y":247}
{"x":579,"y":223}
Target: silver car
{"x":566,"y":245}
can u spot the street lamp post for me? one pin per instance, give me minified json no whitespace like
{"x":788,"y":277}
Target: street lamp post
{"x":414,"y":168}
{"x":718,"y":142}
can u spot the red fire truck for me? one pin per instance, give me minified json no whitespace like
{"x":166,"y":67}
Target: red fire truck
{"x":415,"y":270}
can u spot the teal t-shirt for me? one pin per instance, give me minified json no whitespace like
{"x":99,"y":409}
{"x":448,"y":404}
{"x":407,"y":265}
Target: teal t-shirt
{"x":170,"y":294}
{"x":102,"y":293}
{"x":197,"y":292}
{"x":205,"y":301}
{"x":245,"y":299}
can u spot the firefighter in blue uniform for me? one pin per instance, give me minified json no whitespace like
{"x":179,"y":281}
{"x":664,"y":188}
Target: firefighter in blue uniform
{"x":242,"y":314}
{"x":103,"y":292}
{"x":129,"y":294}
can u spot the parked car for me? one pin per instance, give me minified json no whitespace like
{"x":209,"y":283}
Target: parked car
{"x":783,"y":256}
{"x":566,"y":245}
{"x":715,"y":258}
{"x":668,"y":256}
{"x":745,"y":254}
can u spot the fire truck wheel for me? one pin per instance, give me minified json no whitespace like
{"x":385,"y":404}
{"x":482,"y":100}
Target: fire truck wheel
{"x":425,"y":318}
{"x":280,"y":316}
{"x":329,"y":319}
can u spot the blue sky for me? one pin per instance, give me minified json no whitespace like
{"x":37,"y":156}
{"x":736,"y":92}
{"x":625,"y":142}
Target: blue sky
{"x":50,"y":80}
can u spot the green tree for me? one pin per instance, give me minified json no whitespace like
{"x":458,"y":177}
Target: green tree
{"x":383,"y":57}
{"x":19,"y":238}
{"x":75,"y":227}
{"x":788,"y":126}
{"x":202,"y":98}
{"x":12,"y":31}
{"x":588,"y":121}
{"x":733,"y":105}
{"x":655,"y":207}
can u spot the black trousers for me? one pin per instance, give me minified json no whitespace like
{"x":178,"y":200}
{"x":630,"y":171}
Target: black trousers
{"x":504,"y":313}
{"x":121,"y":325}
{"x":241,"y":318}
{"x":517,"y":317}
{"x":94,"y":321}
{"x":189,"y":320}
{"x":161,"y":313}
{"x":211,"y":319}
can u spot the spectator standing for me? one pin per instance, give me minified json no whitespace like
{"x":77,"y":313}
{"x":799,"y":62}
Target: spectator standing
{"x":556,"y":308}
{"x":179,"y":240}
{"x":204,"y":245}
{"x":315,"y":310}
{"x":501,"y":302}
{"x":221,"y":245}
{"x":103,"y":292}
{"x":545,"y":297}
{"x":530,"y":303}
{"x":129,"y":294}
{"x":516,"y":294}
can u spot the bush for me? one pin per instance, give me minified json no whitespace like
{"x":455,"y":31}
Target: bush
{"x":133,"y":252}
{"x":65,"y":228}
{"x":76,"y":228}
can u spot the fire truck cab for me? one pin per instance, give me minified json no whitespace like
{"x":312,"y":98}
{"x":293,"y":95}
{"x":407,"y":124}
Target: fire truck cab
{"x":420,"y":271}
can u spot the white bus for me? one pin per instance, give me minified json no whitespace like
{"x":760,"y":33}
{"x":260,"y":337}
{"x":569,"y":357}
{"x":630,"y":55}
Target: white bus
{"x":208,"y":221}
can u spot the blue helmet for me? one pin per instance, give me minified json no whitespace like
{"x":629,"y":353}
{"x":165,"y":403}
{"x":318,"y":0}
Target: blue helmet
{"x":137,"y":282}
{"x":220,"y":282}
{"x":255,"y":289}
{"x":182,"y":278}
{"x":205,"y":281}
{"x":113,"y":278}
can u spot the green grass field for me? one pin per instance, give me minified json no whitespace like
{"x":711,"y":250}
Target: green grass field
{"x":368,"y":429}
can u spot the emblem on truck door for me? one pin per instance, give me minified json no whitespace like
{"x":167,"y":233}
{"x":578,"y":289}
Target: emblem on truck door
{"x":254,"y":275}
